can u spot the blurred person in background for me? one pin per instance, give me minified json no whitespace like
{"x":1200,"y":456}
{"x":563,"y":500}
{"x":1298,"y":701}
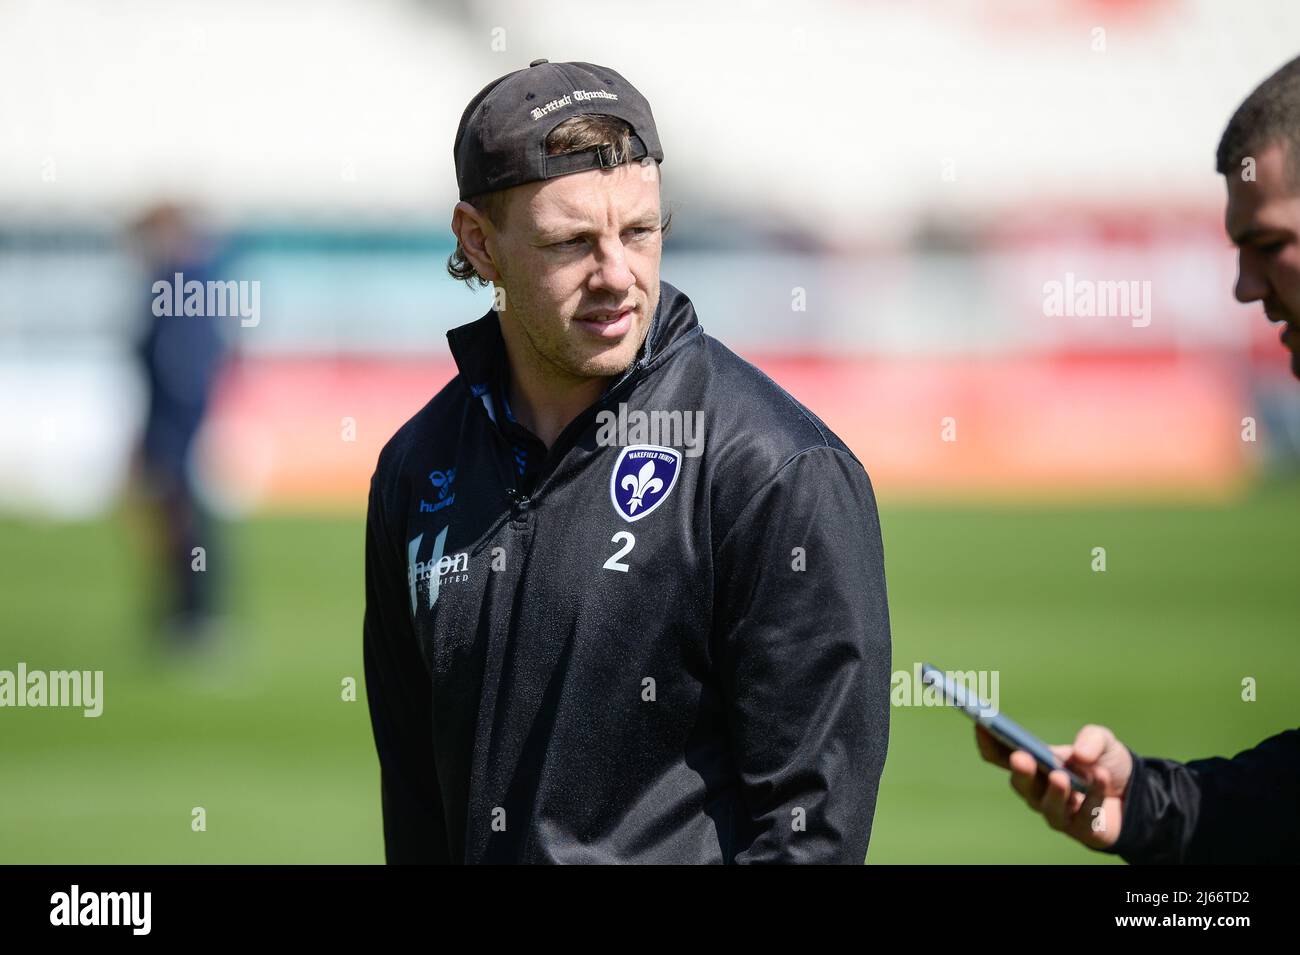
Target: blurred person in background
{"x":181,"y":356}
{"x":1245,"y":809}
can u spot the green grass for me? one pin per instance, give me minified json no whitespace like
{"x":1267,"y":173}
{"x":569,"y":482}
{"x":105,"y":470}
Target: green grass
{"x":1193,"y":600}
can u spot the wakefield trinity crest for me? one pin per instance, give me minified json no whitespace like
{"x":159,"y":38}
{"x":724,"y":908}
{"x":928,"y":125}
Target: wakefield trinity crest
{"x":643,"y":477}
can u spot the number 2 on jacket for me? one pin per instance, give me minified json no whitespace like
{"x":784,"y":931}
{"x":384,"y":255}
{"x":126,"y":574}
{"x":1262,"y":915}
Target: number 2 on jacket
{"x":628,"y":543}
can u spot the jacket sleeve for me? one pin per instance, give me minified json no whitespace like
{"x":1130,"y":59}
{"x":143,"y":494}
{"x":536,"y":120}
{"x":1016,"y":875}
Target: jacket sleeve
{"x":1240,"y":810}
{"x":802,"y":649}
{"x":399,"y":694}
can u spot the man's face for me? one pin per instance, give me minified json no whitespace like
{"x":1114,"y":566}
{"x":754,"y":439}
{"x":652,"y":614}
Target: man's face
{"x":578,"y":259}
{"x":1263,"y":220}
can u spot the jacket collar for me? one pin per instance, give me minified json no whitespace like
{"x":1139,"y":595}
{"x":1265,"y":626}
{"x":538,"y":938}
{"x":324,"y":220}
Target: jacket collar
{"x":480,"y":354}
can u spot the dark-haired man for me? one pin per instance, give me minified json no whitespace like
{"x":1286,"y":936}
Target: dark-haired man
{"x":1244,"y":809}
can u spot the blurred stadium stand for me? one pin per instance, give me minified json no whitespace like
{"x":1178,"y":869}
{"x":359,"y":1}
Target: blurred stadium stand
{"x":923,"y":172}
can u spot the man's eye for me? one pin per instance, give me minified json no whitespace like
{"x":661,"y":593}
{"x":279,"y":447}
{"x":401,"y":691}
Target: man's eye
{"x":1271,"y":248}
{"x":568,"y":244}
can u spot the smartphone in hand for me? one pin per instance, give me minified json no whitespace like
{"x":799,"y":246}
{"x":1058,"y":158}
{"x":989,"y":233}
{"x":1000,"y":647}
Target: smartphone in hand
{"x":1003,"y":729}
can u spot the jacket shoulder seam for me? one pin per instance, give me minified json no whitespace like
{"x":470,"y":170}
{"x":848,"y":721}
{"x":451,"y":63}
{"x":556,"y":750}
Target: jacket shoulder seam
{"x":807,"y":415}
{"x":772,"y":480}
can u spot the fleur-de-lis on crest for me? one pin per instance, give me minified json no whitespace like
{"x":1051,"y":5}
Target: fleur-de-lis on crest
{"x":643,"y":483}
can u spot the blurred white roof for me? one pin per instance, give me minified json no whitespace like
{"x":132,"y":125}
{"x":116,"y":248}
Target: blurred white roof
{"x":848,"y":116}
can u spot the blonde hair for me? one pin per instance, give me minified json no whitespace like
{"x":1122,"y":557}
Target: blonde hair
{"x":576,"y":134}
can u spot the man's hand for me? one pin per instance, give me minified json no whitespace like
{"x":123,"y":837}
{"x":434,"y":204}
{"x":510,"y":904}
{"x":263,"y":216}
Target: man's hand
{"x":1102,"y":760}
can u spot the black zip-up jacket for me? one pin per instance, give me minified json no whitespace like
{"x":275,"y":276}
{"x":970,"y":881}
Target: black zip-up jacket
{"x":1240,"y":810}
{"x":686,"y":664}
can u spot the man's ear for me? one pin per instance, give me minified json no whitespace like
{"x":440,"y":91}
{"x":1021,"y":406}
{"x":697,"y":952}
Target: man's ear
{"x":472,"y":229}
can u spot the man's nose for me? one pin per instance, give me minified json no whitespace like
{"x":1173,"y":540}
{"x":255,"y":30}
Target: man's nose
{"x":611,"y":266}
{"x":1251,"y":285}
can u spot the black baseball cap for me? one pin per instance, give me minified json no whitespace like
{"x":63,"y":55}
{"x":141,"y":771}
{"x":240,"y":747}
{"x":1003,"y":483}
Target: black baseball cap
{"x":501,"y":141}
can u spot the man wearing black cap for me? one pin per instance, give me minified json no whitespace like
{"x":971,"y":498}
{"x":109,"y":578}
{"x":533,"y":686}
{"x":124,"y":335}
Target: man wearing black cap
{"x":593,"y":631}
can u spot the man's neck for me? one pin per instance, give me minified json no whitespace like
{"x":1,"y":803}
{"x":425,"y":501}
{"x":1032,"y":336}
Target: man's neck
{"x":545,"y":406}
